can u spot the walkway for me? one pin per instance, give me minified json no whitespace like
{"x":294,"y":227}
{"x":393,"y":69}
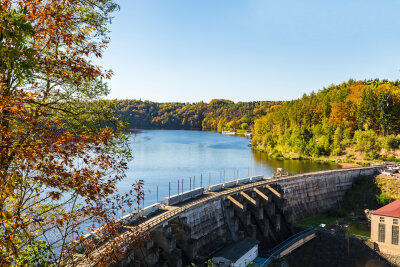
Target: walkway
{"x":290,"y":244}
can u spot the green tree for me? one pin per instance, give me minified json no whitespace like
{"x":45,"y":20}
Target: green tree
{"x":367,"y":111}
{"x":385,"y":106}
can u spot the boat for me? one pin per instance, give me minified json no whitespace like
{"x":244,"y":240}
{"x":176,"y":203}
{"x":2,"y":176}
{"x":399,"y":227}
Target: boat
{"x":228,"y":133}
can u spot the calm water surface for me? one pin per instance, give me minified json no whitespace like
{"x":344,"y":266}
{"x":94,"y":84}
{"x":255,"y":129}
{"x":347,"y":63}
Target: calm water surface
{"x":162,"y":157}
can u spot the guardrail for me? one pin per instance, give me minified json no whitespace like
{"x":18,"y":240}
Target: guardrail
{"x":132,"y":217}
{"x":175,"y":199}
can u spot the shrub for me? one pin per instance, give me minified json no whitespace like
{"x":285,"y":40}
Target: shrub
{"x":366,"y":141}
{"x":391,"y":142}
{"x":384,"y":199}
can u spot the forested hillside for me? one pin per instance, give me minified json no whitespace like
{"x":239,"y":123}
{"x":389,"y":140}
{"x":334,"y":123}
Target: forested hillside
{"x":215,"y":115}
{"x":359,"y":119}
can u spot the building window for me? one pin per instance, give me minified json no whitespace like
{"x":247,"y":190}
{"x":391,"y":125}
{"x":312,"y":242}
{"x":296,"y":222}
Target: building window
{"x":381,"y":234}
{"x":382,"y":219}
{"x":395,"y":221}
{"x":395,"y":235}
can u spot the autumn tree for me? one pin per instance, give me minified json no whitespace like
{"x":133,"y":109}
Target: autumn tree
{"x":61,"y":149}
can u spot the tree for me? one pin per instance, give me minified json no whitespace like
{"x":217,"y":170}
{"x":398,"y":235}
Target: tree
{"x":367,"y":111}
{"x":385,"y":106}
{"x":61,"y":149}
{"x":338,"y":113}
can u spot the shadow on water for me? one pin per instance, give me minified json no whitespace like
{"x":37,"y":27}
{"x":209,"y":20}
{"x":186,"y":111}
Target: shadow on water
{"x":292,"y":166}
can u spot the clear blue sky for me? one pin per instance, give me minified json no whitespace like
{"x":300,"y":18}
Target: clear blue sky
{"x":243,"y":50}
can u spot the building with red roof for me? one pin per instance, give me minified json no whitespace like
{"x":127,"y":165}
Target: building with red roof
{"x":385,"y":228}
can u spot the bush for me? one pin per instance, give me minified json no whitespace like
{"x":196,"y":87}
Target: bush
{"x":366,"y":141}
{"x":391,"y":142}
{"x":275,"y":154}
{"x":384,"y":199}
{"x":336,"y":151}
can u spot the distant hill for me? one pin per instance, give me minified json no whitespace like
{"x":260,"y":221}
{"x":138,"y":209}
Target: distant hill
{"x":352,"y":120}
{"x":215,"y":115}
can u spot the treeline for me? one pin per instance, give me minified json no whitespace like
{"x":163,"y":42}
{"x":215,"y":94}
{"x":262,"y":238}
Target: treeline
{"x":353,"y":118}
{"x":215,"y":115}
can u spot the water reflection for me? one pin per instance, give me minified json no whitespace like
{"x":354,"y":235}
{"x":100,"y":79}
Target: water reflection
{"x":164,"y":157}
{"x":292,"y":166}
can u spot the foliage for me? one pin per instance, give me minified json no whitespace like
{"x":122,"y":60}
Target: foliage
{"x":355,"y":114}
{"x":389,"y":186}
{"x":61,"y":148}
{"x":391,"y":142}
{"x":366,"y":141}
{"x":208,"y":263}
{"x":384,"y":199}
{"x":217,"y":114}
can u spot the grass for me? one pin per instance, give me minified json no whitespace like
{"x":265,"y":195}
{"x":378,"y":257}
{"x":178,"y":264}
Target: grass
{"x":316,"y":220}
{"x":360,"y":229}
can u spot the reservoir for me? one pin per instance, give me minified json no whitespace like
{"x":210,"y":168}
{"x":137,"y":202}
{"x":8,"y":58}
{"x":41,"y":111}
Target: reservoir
{"x":162,"y":157}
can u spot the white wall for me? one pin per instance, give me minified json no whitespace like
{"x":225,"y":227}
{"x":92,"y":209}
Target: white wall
{"x":247,"y":258}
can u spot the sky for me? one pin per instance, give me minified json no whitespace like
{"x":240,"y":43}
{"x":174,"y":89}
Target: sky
{"x":248,"y":50}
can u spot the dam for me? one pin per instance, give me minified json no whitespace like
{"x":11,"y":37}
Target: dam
{"x":192,"y":226}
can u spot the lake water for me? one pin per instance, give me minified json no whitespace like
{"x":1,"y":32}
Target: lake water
{"x":162,"y":157}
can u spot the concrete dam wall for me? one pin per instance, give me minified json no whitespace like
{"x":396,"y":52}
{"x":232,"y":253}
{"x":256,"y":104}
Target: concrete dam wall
{"x":312,"y":193}
{"x":265,"y":210}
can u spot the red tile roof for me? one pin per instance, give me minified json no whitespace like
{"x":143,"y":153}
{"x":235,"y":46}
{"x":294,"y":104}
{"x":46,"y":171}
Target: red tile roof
{"x":392,"y":210}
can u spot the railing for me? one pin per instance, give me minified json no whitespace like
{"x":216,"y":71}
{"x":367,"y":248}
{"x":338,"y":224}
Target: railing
{"x":274,"y":252}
